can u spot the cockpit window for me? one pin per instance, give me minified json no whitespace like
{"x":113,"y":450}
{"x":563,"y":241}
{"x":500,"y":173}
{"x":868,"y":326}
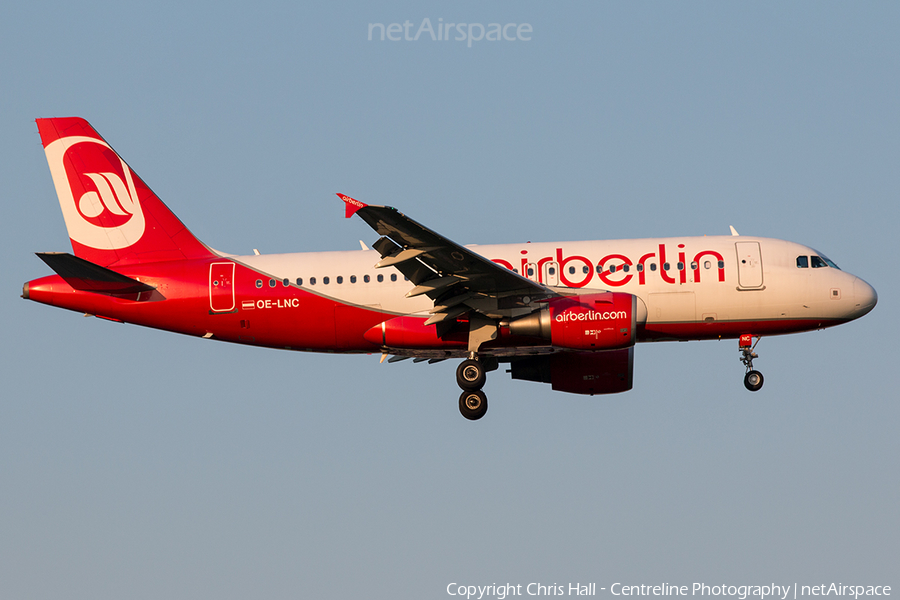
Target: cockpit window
{"x":802,"y":262}
{"x":819,"y":261}
{"x":829,"y":262}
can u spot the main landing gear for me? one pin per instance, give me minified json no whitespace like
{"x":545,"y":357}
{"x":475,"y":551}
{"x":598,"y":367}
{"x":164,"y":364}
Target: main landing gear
{"x":753,"y":380}
{"x":470,"y":376}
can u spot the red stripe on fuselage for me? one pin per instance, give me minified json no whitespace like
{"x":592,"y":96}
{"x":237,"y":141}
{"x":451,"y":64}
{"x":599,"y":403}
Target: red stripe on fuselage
{"x":282,"y":316}
{"x":713,"y":330}
{"x":287,"y":316}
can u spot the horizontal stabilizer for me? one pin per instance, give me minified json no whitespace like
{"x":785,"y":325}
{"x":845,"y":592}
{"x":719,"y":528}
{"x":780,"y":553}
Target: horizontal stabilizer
{"x":85,"y":276}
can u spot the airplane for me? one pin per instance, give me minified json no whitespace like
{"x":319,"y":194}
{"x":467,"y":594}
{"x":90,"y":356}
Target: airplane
{"x":564,"y":313}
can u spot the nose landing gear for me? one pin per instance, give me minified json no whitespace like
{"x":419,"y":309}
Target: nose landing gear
{"x":753,"y":380}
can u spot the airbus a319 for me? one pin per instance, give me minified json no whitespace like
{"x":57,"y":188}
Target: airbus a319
{"x":564,"y":313}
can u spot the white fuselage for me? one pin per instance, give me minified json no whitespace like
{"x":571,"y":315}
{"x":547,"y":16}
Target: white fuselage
{"x":689,"y":280}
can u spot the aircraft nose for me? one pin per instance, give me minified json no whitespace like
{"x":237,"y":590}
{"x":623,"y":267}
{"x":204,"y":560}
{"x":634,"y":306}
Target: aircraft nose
{"x":865,"y":297}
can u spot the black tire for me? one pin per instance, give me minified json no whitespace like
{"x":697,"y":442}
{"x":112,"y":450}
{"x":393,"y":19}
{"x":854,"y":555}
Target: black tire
{"x":753,"y":380}
{"x":470,"y":375}
{"x":473,"y":404}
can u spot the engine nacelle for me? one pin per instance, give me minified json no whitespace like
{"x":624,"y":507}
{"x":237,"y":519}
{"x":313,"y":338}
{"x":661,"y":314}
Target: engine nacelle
{"x":604,"y":321}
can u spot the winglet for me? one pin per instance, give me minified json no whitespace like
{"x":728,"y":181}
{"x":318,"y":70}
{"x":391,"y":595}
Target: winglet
{"x":351,"y":205}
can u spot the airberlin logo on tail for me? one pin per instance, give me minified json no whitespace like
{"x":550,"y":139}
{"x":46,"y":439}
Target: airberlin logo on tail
{"x":106,"y":215}
{"x":111,"y":195}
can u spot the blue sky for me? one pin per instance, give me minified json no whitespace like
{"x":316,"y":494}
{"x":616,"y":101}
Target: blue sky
{"x":136,"y":463}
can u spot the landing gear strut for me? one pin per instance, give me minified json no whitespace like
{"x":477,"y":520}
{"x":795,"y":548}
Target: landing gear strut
{"x":470,"y":376}
{"x":753,"y":380}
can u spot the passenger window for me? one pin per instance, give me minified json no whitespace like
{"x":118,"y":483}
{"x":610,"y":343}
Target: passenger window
{"x":325,"y":280}
{"x":271,"y":283}
{"x":551,"y":271}
{"x":380,"y":278}
{"x":299,"y":281}
{"x":259,"y":283}
{"x":707,"y":264}
{"x":695,"y":266}
{"x":665,"y":266}
{"x":312,"y":281}
{"x":612,"y":268}
{"x":586,"y":269}
{"x":652,"y":266}
{"x":531,"y":272}
{"x":366,"y":279}
{"x":353,"y":279}
{"x":571,"y":270}
{"x":818,"y":263}
{"x":721,"y":264}
{"x":393,"y":277}
{"x":625,"y":268}
{"x":640,"y":268}
{"x":802,"y":262}
{"x":340,"y":279}
{"x":680,"y":266}
{"x":285,"y":282}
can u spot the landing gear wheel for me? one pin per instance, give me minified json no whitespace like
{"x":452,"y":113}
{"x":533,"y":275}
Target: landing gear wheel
{"x":470,"y":375}
{"x":753,"y":380}
{"x":473,"y":404}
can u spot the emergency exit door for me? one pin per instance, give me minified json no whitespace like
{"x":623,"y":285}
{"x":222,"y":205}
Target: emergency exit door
{"x":550,"y":273}
{"x":221,"y":287}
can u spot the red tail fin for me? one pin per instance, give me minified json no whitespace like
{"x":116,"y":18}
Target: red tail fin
{"x":111,"y":215}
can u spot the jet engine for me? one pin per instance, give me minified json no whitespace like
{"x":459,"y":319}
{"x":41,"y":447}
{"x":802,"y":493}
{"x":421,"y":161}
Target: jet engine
{"x":604,"y":321}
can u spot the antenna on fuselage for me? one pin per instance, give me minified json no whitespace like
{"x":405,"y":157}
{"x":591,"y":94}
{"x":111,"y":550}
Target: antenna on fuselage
{"x":733,"y":230}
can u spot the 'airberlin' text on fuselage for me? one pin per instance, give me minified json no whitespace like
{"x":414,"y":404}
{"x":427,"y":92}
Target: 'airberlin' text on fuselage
{"x":591,"y":315}
{"x":616,"y":269}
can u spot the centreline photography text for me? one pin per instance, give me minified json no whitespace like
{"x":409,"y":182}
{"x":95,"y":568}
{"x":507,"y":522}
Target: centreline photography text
{"x":740,"y":592}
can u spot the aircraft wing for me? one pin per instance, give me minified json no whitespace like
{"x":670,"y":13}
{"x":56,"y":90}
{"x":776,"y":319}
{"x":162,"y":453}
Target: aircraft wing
{"x":455,"y":277}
